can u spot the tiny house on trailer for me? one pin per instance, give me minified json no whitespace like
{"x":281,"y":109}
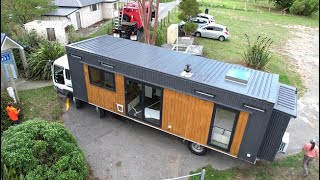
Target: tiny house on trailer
{"x":232,"y":109}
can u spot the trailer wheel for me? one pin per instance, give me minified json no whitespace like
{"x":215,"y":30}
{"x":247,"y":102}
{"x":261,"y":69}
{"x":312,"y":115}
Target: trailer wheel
{"x":102,"y":113}
{"x":197,"y":149}
{"x":78,"y":103}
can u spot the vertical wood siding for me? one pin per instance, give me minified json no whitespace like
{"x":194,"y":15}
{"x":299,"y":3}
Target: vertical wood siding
{"x":188,"y":116}
{"x":104,"y":97}
{"x":237,"y":138}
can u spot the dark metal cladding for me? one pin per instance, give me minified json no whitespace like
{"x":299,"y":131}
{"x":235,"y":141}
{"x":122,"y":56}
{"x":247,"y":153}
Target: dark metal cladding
{"x":162,"y":67}
{"x":273,"y":138}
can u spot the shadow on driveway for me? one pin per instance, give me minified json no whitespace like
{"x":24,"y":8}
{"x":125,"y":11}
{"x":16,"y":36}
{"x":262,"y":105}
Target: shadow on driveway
{"x":119,"y":148}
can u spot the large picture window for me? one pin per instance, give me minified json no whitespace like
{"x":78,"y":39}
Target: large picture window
{"x":144,"y":102}
{"x":102,"y":78}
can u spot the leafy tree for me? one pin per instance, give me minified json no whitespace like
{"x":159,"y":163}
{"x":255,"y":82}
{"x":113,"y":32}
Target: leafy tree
{"x":42,"y":150}
{"x":188,"y":8}
{"x":282,"y":3}
{"x":39,"y":61}
{"x":257,"y":54}
{"x":304,"y":7}
{"x":146,"y":18}
{"x":22,"y":11}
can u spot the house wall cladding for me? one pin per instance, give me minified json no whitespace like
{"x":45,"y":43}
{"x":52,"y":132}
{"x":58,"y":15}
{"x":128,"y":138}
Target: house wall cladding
{"x":89,"y":17}
{"x":272,"y":140}
{"x":257,"y":123}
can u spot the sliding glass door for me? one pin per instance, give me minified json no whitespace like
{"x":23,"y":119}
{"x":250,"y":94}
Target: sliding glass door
{"x":223,"y":125}
{"x":144,"y":102}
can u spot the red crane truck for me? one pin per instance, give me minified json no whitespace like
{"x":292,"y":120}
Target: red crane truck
{"x":130,"y":24}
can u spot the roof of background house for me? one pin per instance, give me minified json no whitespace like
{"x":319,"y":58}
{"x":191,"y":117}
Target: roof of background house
{"x":79,"y":3}
{"x":61,"y":11}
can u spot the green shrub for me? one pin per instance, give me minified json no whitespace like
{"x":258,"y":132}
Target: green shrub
{"x":31,"y":40}
{"x":71,"y":34}
{"x":39,"y":61}
{"x":5,"y":121}
{"x":10,"y":174}
{"x":257,"y":55}
{"x":160,"y":40}
{"x":305,"y":7}
{"x":42,"y":150}
{"x":188,"y":8}
{"x":190,"y":27}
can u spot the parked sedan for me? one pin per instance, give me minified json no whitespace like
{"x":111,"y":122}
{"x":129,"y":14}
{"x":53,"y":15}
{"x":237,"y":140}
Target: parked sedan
{"x":214,"y":31}
{"x":207,"y":16}
{"x":198,"y":20}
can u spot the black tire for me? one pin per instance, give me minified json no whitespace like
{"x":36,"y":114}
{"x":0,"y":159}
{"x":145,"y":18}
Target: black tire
{"x":198,"y":34}
{"x":78,"y":103}
{"x":102,"y":113}
{"x":221,"y":38}
{"x":197,"y":149}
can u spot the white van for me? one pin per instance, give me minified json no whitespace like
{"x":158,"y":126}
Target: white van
{"x":61,"y":76}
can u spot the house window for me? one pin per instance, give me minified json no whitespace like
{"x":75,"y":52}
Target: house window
{"x":51,"y":34}
{"x":102,"y":78}
{"x":115,"y":6}
{"x":94,"y":7}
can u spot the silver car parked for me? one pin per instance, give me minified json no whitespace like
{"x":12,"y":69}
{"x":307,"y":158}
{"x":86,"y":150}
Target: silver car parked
{"x":214,"y":31}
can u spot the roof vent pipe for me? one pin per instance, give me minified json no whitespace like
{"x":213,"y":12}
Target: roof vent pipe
{"x":187,"y":69}
{"x":186,"y":73}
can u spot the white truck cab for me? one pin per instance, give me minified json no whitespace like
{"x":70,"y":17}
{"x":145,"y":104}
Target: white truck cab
{"x":61,"y":76}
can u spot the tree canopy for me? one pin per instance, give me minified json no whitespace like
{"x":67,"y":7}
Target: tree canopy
{"x":22,"y":11}
{"x":188,"y":8}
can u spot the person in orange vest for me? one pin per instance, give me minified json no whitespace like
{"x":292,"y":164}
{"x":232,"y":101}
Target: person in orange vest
{"x":311,"y":151}
{"x":13,"y":113}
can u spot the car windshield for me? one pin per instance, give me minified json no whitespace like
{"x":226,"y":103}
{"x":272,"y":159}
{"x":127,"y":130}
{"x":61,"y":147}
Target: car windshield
{"x":227,"y":30}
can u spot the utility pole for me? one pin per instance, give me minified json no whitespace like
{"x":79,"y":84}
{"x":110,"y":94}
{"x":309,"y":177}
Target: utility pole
{"x":13,"y":85}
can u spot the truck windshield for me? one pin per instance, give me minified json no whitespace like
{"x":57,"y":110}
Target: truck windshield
{"x":58,"y":74}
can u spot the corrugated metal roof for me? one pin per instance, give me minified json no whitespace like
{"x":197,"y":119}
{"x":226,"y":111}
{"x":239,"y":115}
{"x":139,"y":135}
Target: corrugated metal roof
{"x":79,"y":3}
{"x":287,"y":100}
{"x":68,"y":3}
{"x":262,"y":85}
{"x":62,"y":11}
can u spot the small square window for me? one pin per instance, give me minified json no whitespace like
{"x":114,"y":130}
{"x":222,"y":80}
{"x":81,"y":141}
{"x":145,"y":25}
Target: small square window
{"x":94,"y":7}
{"x":102,"y":78}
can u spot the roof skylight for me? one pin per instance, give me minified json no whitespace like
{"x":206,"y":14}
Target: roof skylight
{"x":238,"y":76}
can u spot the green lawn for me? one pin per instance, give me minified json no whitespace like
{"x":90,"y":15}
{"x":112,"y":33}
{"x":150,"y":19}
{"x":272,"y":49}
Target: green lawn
{"x":263,"y":23}
{"x":41,"y":103}
{"x":290,"y":167}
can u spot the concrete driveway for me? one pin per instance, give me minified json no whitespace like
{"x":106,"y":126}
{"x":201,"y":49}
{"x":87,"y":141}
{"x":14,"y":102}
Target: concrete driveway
{"x":118,"y":148}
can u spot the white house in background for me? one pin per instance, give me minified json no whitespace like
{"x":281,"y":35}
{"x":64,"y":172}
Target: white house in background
{"x":53,"y":30}
{"x":83,"y":13}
